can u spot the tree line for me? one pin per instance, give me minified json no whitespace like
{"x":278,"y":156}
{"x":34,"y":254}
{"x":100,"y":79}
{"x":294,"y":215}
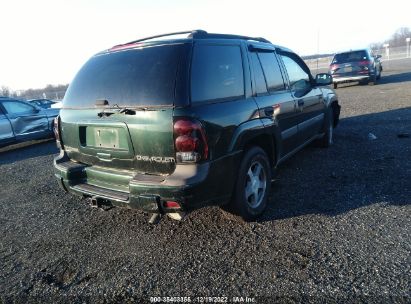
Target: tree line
{"x":54,"y":92}
{"x":396,"y":40}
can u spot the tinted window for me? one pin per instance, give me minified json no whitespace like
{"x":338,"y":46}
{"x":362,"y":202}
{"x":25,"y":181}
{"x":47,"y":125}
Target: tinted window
{"x":299,"y":79}
{"x":136,"y":77}
{"x":260,"y":84}
{"x":272,"y":72}
{"x":216,"y":72}
{"x":350,"y":57}
{"x":15,"y":107}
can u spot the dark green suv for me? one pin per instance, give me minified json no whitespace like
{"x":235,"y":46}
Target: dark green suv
{"x":168,"y":124}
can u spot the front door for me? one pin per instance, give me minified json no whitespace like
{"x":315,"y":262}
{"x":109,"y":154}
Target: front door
{"x":275,"y":101}
{"x":308,"y":97}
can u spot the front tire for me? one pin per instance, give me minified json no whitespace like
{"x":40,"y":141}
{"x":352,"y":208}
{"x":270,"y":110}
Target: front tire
{"x":335,"y":85}
{"x":372,"y":80}
{"x":379,"y":75}
{"x":253,"y":185}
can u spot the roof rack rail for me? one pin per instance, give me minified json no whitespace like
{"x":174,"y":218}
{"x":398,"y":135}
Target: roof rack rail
{"x":196,"y":34}
{"x":204,"y":35}
{"x":192,"y":33}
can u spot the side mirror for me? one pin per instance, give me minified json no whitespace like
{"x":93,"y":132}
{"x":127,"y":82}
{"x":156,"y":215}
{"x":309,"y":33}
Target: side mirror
{"x":323,"y":79}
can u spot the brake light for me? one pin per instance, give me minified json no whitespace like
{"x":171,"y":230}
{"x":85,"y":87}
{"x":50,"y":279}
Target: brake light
{"x":125,"y":46}
{"x":190,"y":141}
{"x":334,"y":67}
{"x":365,"y":62}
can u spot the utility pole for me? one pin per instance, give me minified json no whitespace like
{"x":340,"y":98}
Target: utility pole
{"x":387,"y":50}
{"x":318,"y":45}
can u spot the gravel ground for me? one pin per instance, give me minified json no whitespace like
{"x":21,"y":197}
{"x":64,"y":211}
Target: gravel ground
{"x":338,"y":226}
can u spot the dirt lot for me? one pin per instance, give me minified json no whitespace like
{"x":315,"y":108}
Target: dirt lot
{"x":338,"y":227}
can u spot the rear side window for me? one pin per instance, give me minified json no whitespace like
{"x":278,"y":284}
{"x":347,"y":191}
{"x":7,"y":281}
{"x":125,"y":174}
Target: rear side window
{"x":272,"y":72}
{"x":137,"y":77}
{"x":350,"y":57}
{"x":216,"y":73}
{"x":260,"y":85}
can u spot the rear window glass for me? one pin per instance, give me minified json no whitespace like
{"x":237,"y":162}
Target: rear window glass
{"x":350,"y":57}
{"x":139,"y":77}
{"x":216,"y":73}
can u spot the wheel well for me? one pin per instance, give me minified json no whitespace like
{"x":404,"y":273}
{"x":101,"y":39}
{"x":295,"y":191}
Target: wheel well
{"x":266,"y":142}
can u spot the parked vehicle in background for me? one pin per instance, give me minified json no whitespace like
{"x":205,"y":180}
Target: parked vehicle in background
{"x":42,"y":103}
{"x":21,"y":121}
{"x":356,"y":66}
{"x":172,"y":125}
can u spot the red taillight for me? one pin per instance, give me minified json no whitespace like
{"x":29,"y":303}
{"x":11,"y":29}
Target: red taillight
{"x":185,"y":143}
{"x":334,"y":67}
{"x":171,"y":204}
{"x":365,"y":62}
{"x":190,"y":141}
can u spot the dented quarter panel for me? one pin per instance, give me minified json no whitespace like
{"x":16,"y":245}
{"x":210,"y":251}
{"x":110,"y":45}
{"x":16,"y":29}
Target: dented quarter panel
{"x":26,"y":124}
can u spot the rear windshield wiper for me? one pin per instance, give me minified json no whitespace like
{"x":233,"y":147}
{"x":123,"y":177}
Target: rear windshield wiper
{"x":107,"y":112}
{"x":116,"y":107}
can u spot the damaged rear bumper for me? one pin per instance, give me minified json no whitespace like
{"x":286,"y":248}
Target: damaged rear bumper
{"x":191,"y":186}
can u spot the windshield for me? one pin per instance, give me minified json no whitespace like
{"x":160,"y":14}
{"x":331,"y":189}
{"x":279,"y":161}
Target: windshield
{"x":350,"y":57}
{"x":137,"y":77}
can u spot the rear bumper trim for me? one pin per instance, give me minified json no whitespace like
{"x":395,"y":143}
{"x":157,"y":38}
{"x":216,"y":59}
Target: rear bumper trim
{"x":350,"y":78}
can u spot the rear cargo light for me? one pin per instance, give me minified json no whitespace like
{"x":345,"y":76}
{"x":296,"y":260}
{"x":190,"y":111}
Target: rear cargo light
{"x":171,"y":204}
{"x":190,"y":141}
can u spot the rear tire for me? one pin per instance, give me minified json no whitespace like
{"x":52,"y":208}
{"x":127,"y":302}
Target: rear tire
{"x":253,"y":185}
{"x":372,"y":80}
{"x":379,"y":75}
{"x":335,"y":85}
{"x":328,"y":139}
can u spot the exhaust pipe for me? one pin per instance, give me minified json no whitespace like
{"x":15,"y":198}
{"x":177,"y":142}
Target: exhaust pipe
{"x":94,"y":202}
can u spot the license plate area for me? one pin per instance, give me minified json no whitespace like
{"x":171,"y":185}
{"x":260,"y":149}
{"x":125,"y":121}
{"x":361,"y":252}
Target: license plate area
{"x":107,"y":138}
{"x":347,"y":69}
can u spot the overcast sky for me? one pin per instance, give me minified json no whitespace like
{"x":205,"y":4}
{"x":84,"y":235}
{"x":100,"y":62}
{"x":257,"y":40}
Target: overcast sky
{"x":47,"y":41}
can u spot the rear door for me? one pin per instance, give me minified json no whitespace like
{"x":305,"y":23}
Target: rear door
{"x":308,"y":97}
{"x":26,"y":120}
{"x":273,"y":97}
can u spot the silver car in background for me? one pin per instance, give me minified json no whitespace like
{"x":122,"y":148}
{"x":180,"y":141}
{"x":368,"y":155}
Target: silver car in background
{"x":21,"y":121}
